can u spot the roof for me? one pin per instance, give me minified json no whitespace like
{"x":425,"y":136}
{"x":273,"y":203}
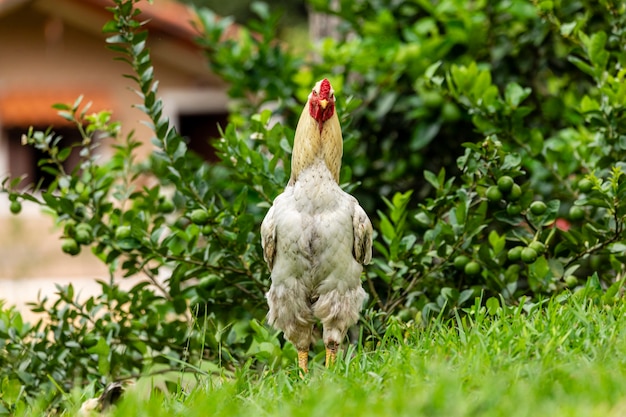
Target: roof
{"x":166,"y":15}
{"x":169,"y":16}
{"x":167,"y":19}
{"x":34,"y":107}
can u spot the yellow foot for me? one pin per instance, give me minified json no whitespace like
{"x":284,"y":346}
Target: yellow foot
{"x":331,"y":354}
{"x":303,"y":362}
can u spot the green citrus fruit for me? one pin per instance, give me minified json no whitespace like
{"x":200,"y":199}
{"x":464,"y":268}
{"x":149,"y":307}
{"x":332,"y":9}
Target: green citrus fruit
{"x":539,"y":247}
{"x":505,"y":184}
{"x":70,"y":246}
{"x":70,"y":228}
{"x":209,"y":282}
{"x":513,"y":209}
{"x":84,"y":226}
{"x":460,"y":261}
{"x":199,"y":216}
{"x":450,"y":112}
{"x":585,"y":185}
{"x":80,"y":210}
{"x":472,"y":268}
{"x":514,"y":254}
{"x":15,"y":207}
{"x":538,"y":208}
{"x":83,"y":234}
{"x":515,"y":193}
{"x":576,"y":213}
{"x":166,"y":206}
{"x":122,"y":232}
{"x":89,"y":340}
{"x":493,"y":194}
{"x":432,"y":99}
{"x":571,"y":281}
{"x":529,"y":255}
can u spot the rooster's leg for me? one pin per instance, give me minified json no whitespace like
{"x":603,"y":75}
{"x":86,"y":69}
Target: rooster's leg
{"x":303,"y":361}
{"x":331,"y":353}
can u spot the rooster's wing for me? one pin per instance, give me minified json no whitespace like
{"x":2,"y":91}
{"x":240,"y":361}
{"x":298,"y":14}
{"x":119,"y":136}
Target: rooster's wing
{"x":362,"y":235}
{"x":268,"y":238}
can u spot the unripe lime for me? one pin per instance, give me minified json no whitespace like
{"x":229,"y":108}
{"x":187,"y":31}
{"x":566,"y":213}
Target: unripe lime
{"x":538,"y":247}
{"x":596,"y":261}
{"x":472,"y":268}
{"x":450,"y":112}
{"x":431,"y":99}
{"x":460,"y":261}
{"x":515,"y":193}
{"x":585,"y":185}
{"x":493,"y":194}
{"x":576,"y":213}
{"x":513,"y":209}
{"x":404,"y":315}
{"x":70,"y":228}
{"x":422,"y":219}
{"x":514,"y":254}
{"x":199,"y":216}
{"x":166,"y":206}
{"x":122,"y":232}
{"x":571,"y":281}
{"x":505,"y":184}
{"x":80,"y":210}
{"x":70,"y":246}
{"x":209,"y":282}
{"x":15,"y":207}
{"x":538,"y":208}
{"x":89,"y":340}
{"x":83,"y":234}
{"x":529,"y":255}
{"x":84,"y":226}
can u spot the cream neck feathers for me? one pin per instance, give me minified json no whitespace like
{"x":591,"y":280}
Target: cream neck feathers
{"x":311,"y":144}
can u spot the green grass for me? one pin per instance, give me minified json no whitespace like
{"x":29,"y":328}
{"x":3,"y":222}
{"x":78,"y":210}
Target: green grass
{"x":565,"y":358}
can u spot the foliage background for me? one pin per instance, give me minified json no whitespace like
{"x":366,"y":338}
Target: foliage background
{"x":440,"y":102}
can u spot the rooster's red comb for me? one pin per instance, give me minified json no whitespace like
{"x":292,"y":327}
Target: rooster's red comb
{"x":325,"y":89}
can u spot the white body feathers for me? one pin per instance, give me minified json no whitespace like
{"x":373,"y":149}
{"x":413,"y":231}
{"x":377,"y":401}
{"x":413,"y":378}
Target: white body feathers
{"x":315,"y":237}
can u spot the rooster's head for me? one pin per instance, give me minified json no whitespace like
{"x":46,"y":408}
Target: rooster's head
{"x":322,"y":102}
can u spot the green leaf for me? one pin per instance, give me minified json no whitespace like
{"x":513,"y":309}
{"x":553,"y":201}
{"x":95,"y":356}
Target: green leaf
{"x":497,"y":242}
{"x":514,"y":94}
{"x":598,"y":56}
{"x":493,"y":306}
{"x":511,"y":161}
{"x":536,"y":142}
{"x":432,"y":69}
{"x":431,"y":178}
{"x":64,"y":154}
{"x":582,"y":65}
{"x":386,"y":227}
{"x":566,"y":29}
{"x":61,"y":106}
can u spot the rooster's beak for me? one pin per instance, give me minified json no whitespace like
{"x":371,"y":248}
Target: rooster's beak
{"x":323,"y":104}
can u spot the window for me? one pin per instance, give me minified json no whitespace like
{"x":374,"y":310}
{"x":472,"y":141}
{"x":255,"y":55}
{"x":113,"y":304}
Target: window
{"x":200,"y":129}
{"x":24,"y":160}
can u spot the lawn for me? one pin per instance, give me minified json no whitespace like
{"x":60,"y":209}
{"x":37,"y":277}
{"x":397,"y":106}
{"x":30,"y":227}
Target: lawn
{"x":563,"y":357}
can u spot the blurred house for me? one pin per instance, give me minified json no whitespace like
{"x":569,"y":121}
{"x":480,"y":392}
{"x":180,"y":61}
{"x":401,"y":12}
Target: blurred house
{"x":53,"y":52}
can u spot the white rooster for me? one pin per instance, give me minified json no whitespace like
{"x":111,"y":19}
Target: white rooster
{"x":316,"y":237}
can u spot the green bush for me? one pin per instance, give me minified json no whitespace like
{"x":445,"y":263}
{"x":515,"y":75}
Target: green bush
{"x":486,"y":143}
{"x":192,"y":239}
{"x":469,"y":132}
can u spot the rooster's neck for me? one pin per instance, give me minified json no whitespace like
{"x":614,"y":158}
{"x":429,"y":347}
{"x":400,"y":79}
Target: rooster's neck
{"x":312,"y":144}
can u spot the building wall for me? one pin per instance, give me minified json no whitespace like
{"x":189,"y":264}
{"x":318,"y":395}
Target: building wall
{"x":43,"y":52}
